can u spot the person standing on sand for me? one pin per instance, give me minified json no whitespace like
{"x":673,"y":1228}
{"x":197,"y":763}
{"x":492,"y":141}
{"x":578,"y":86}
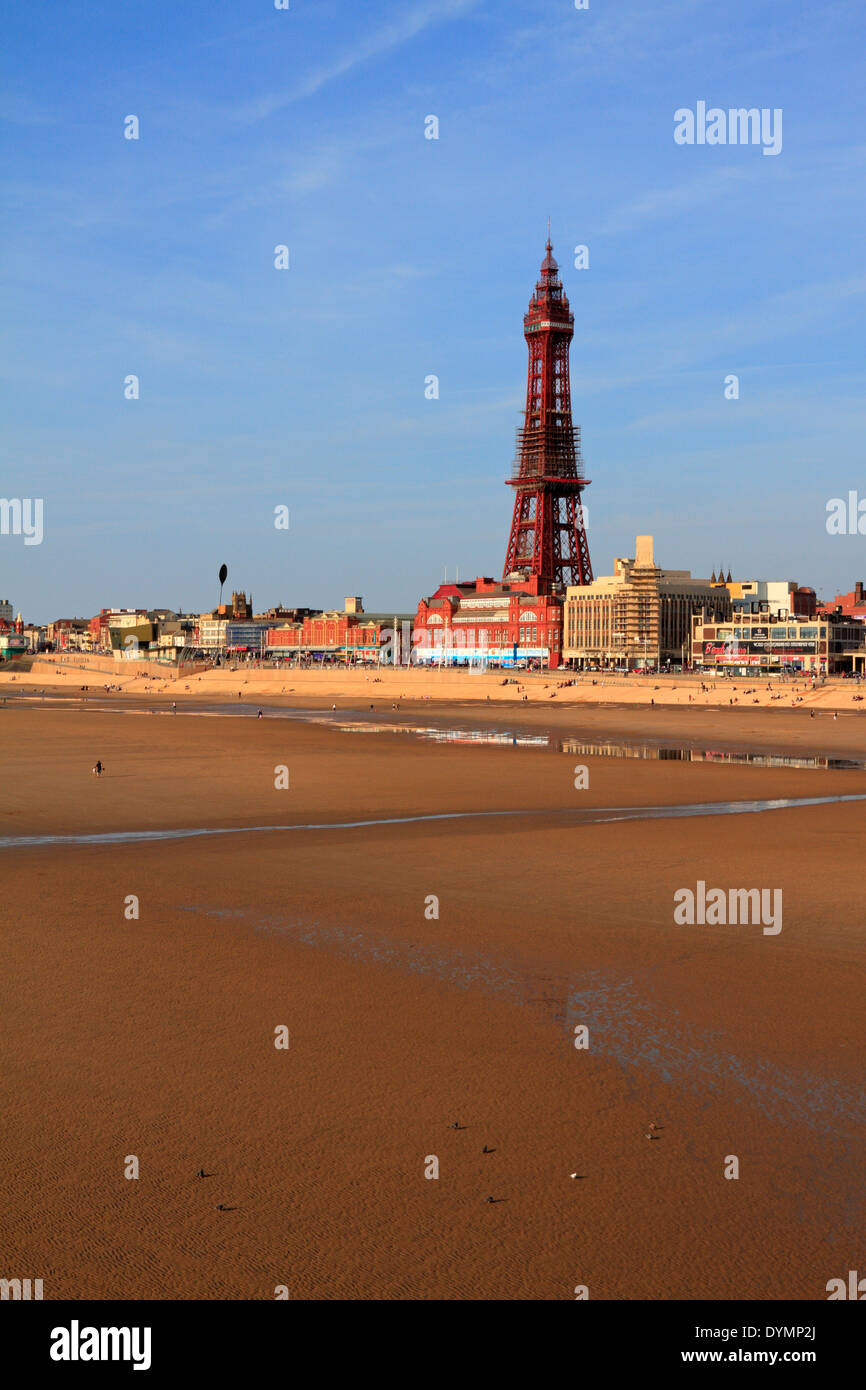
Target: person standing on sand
{"x":98,"y":768}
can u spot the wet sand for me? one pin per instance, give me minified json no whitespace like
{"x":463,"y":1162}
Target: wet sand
{"x":155,"y":1037}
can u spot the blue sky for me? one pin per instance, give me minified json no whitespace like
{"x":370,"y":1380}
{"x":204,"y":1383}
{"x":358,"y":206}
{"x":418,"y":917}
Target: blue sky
{"x":412,"y":257}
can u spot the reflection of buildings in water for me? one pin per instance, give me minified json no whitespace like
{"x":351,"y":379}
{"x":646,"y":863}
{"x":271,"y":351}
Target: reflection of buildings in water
{"x":702,"y":755}
{"x":619,"y":750}
{"x":582,"y":748}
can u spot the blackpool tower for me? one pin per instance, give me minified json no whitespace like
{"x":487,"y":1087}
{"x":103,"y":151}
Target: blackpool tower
{"x":548,"y":536}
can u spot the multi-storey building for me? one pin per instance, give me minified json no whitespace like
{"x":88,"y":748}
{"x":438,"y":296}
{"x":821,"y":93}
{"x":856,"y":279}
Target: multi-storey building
{"x":756,"y":640}
{"x":638,"y":617}
{"x":515,"y":622}
{"x":350,"y":636}
{"x":68,"y":634}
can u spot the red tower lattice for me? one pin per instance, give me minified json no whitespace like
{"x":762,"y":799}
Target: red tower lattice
{"x":548,"y":536}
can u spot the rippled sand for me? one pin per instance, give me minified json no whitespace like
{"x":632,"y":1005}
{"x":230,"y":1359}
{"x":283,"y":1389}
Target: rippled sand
{"x":155,"y":1037}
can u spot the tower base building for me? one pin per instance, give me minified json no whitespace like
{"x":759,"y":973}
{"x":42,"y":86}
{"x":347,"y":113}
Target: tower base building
{"x":489,"y":623}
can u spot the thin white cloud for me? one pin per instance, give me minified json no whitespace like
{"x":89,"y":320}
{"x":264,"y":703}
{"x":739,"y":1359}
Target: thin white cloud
{"x":384,"y":40}
{"x":657,"y":204}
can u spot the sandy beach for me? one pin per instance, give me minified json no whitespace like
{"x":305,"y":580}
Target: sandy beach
{"x":451,"y":686}
{"x":154,"y":1036}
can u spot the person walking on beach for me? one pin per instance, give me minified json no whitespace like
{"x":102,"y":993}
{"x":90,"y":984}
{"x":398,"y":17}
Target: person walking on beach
{"x":98,"y":768}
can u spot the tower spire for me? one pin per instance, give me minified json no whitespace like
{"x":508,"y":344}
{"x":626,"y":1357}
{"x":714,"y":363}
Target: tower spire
{"x":548,"y":536}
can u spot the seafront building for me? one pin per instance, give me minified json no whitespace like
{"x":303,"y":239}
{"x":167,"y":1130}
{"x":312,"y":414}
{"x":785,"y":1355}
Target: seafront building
{"x":758,"y":641}
{"x":132,"y":635}
{"x":13,"y":640}
{"x":517,"y":622}
{"x":351,"y":636}
{"x":100,"y":625}
{"x":640,"y":616}
{"x":68,"y":634}
{"x":212,"y":632}
{"x":778,"y":626}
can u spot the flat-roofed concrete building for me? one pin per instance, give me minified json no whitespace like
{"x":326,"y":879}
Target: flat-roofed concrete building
{"x":756,"y":640}
{"x":638,"y":617}
{"x":779,"y":594}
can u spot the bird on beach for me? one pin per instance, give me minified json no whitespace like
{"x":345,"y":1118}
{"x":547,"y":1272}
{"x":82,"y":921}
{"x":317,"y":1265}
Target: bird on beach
{"x":200,"y":1173}
{"x":455,"y":1125}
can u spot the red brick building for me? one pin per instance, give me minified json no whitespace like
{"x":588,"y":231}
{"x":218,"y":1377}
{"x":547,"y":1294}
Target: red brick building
{"x":345,"y":636}
{"x":499,"y":623}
